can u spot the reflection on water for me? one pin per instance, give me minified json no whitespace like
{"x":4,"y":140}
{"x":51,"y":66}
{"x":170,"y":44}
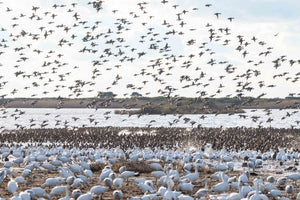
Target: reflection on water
{"x":50,"y":118}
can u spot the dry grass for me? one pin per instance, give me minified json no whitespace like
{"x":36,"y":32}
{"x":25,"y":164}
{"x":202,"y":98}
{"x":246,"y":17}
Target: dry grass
{"x":136,"y":166}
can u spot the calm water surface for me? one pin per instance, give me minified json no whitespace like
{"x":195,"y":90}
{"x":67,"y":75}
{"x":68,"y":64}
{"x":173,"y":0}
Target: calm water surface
{"x":106,"y":117}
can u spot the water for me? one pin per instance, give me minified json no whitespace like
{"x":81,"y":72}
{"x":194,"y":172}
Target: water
{"x":105,"y":117}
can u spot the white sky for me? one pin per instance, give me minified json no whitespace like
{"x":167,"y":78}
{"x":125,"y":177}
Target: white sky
{"x":274,"y":22}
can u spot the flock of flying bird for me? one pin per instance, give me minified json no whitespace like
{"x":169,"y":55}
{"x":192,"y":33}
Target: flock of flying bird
{"x":69,"y":154}
{"x":109,"y":49}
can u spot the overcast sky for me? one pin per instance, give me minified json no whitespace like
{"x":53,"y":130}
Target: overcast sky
{"x":46,"y":52}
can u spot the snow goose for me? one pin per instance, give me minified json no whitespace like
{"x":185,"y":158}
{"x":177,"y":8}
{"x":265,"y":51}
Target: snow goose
{"x":105,"y":173}
{"x":48,"y":166}
{"x":165,"y":180}
{"x":295,"y":177}
{"x":257,"y":195}
{"x":218,"y":176}
{"x":281,"y":181}
{"x":145,"y":187}
{"x":161,"y":191}
{"x":158,"y":174}
{"x":25,"y":195}
{"x":41,"y":158}
{"x":169,"y":195}
{"x":7,"y":164}
{"x":78,"y":183}
{"x":113,"y":175}
{"x":150,"y":197}
{"x":85,"y":165}
{"x":76,"y":193}
{"x":86,"y":196}
{"x":156,"y":166}
{"x":56,"y":163}
{"x":117,"y":195}
{"x":76,"y":168}
{"x":26,"y":173}
{"x":51,"y":182}
{"x":65,"y":172}
{"x":185,"y":187}
{"x":108,"y":182}
{"x":98,"y":190}
{"x":118,"y":182}
{"x":38,"y":192}
{"x":236,"y":196}
{"x":289,"y":189}
{"x":202,"y":192}
{"x":58,"y":190}
{"x":122,"y":169}
{"x":20,"y":180}
{"x":275,"y":193}
{"x":12,"y":186}
{"x":127,"y":174}
{"x":185,"y":197}
{"x":246,"y":189}
{"x":221,"y":187}
{"x":192,"y":176}
{"x":221,"y":167}
{"x":19,"y":160}
{"x":88,"y":173}
{"x":243,"y":178}
{"x":271,"y":179}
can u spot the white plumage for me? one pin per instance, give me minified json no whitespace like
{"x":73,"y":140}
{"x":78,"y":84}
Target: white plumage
{"x":98,"y":190}
{"x":12,"y":186}
{"x":58,"y":190}
{"x":117,"y":195}
{"x":118,"y":182}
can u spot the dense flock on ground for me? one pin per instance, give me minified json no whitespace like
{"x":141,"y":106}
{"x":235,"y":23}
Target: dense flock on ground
{"x":91,"y":165}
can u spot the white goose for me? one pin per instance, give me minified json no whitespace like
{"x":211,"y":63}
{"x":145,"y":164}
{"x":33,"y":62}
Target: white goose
{"x":118,"y":182}
{"x":289,"y":189}
{"x":185,"y":197}
{"x":117,"y":195}
{"x":236,"y":196}
{"x":98,"y":190}
{"x":221,"y":187}
{"x":25,"y":195}
{"x":76,"y":193}
{"x":86,"y":196}
{"x":51,"y":182}
{"x":257,"y":195}
{"x":243,"y":178}
{"x":295,"y":177}
{"x":127,"y":174}
{"x":158,"y":174}
{"x":105,"y":173}
{"x":202,"y":192}
{"x":58,"y":190}
{"x":192,"y":176}
{"x":185,"y":187}
{"x":12,"y":186}
{"x":156,"y":166}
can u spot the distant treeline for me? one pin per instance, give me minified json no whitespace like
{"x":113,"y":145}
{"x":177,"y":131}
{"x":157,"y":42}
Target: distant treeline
{"x":157,"y":105}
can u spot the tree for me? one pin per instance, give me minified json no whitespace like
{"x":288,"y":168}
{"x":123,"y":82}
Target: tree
{"x":135,"y":94}
{"x":106,"y":94}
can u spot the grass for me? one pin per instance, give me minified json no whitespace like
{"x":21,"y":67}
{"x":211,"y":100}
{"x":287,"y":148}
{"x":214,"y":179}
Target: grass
{"x":136,"y":166}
